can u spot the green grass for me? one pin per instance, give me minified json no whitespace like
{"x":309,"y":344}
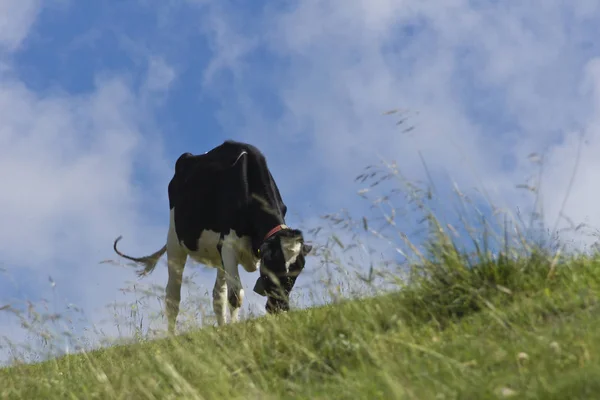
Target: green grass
{"x":520,"y":322}
{"x":525,"y":327}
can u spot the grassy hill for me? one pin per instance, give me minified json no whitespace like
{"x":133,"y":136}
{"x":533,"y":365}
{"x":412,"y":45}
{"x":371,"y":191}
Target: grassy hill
{"x":525,"y":327}
{"x":521,"y":322}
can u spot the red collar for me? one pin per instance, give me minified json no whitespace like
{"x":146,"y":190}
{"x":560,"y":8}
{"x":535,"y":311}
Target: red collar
{"x":275,"y":230}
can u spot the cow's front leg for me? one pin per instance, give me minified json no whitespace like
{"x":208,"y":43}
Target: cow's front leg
{"x":234,"y":283}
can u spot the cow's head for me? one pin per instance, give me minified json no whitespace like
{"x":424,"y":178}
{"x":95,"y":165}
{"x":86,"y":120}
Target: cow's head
{"x":282,"y":260}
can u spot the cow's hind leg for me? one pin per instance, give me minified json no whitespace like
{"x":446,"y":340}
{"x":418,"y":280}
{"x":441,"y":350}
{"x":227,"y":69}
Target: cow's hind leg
{"x":220,"y":297}
{"x":176,"y":258}
{"x":234,"y":284}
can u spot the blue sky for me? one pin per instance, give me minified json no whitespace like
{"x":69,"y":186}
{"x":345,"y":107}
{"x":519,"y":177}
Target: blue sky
{"x":98,"y":99}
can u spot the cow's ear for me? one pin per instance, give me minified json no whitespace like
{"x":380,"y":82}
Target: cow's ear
{"x":306,"y":248}
{"x":296,"y":234}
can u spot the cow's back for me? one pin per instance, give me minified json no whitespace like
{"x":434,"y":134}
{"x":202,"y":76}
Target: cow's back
{"x":209,"y":192}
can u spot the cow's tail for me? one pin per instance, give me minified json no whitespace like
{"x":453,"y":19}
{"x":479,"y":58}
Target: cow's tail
{"x":149,"y":262}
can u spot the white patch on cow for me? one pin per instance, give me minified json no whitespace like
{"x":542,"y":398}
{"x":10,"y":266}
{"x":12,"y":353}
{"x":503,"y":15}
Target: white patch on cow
{"x":242,"y":246}
{"x":208,"y":254}
{"x":246,"y":256}
{"x":235,"y":250}
{"x":172,"y":240}
{"x":291,"y":248}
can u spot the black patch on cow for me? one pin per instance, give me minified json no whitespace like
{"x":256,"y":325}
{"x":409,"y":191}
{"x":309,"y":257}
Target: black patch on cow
{"x":220,"y":191}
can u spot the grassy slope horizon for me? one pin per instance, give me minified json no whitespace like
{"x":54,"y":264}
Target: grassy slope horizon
{"x":468,"y":319}
{"x":523,"y":327}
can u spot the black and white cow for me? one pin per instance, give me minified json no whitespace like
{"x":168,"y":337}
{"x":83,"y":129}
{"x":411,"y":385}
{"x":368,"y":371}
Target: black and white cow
{"x":227,"y":210}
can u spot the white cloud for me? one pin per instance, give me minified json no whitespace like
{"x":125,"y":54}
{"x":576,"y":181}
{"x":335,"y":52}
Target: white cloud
{"x":160,"y":75}
{"x":571,"y":166}
{"x":229,"y":46}
{"x":16,"y":18}
{"x":66,"y":167}
{"x":491,"y":82}
{"x":69,"y":187}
